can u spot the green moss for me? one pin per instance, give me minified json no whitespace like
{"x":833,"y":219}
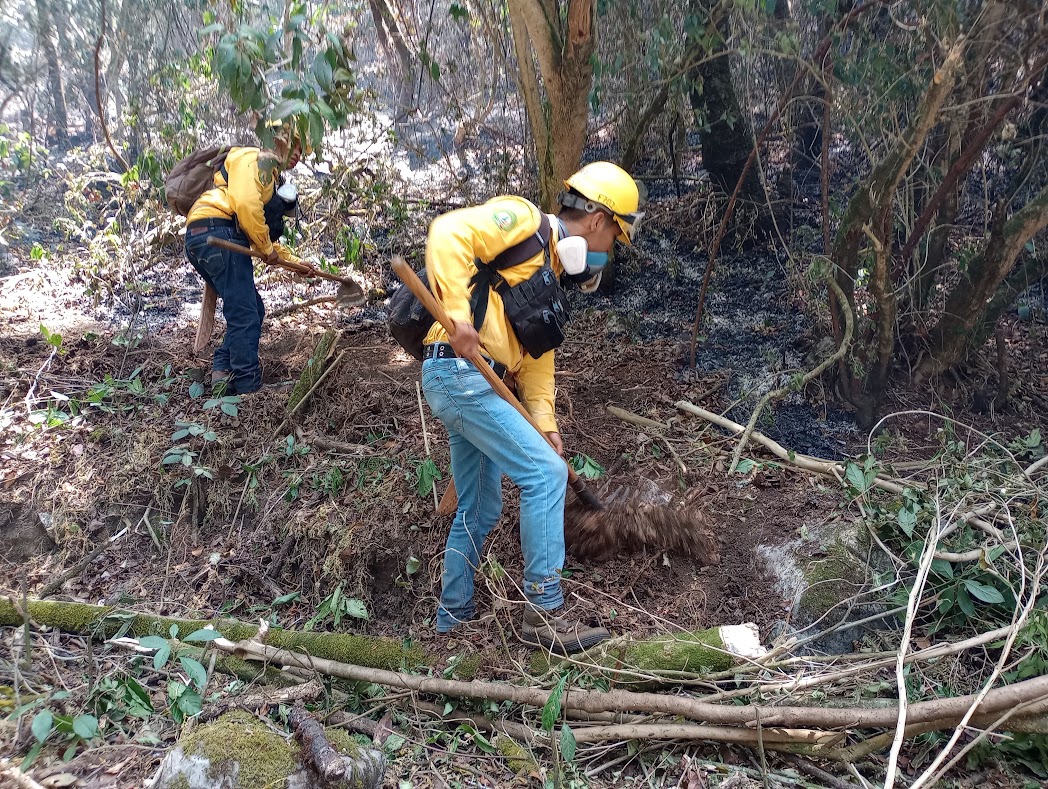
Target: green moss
{"x":623,"y":660}
{"x":829,"y":581}
{"x":343,"y":742}
{"x":518,"y":758}
{"x":469,"y":666}
{"x":105,"y":621}
{"x":262,"y":757}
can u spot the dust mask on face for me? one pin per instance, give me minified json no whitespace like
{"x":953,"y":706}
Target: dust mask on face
{"x":582,"y":266}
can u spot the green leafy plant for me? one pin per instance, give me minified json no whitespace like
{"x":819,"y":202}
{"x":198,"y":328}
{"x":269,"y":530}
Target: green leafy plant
{"x":586,"y":467}
{"x":192,"y":429}
{"x":65,"y":729}
{"x":185,"y":697}
{"x":312,"y":89}
{"x":336,"y":606}
{"x":227,"y":404}
{"x":860,"y":478}
{"x":426,"y":475}
{"x":52,"y":338}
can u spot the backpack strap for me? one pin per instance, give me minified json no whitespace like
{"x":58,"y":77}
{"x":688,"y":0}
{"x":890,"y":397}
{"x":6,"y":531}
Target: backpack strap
{"x":487,"y":275}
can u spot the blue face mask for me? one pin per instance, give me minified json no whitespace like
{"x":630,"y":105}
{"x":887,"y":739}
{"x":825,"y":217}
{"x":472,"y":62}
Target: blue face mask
{"x":595,"y":261}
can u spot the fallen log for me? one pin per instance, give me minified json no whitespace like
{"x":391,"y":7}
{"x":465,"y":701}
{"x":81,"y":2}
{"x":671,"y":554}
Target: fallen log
{"x":106,"y":621}
{"x":251,"y":702}
{"x":674,"y":658}
{"x":946,"y":710}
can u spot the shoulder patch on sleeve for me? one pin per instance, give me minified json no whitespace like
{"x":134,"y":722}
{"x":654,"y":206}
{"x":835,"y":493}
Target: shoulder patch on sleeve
{"x":268,"y":167}
{"x":504,"y":219}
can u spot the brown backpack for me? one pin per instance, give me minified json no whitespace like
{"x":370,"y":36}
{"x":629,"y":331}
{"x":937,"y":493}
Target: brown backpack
{"x":193,"y":176}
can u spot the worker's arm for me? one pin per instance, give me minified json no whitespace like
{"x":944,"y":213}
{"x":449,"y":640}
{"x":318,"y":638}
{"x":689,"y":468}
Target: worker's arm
{"x":251,"y":184}
{"x":536,"y":385}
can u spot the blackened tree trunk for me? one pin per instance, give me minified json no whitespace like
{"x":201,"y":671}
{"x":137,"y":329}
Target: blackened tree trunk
{"x":46,"y":34}
{"x":1032,"y":270}
{"x":966,"y":306}
{"x":725,"y":134}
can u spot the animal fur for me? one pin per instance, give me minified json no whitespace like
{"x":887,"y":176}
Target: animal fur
{"x":634,"y":527}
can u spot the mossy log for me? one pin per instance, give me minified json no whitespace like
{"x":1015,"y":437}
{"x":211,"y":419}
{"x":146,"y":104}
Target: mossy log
{"x":314,"y":368}
{"x":239,"y":751}
{"x":105,"y":621}
{"x":664,"y":659}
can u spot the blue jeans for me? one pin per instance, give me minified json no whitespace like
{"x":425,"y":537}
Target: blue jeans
{"x":488,"y":437}
{"x":232,"y":275}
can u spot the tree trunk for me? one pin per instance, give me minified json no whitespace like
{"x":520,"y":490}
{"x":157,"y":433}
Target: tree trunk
{"x":1032,"y":271}
{"x":726,"y":134}
{"x":563,"y":51}
{"x":966,"y":306}
{"x":46,"y":33}
{"x":963,"y":136}
{"x":869,"y":213}
{"x":399,"y":55}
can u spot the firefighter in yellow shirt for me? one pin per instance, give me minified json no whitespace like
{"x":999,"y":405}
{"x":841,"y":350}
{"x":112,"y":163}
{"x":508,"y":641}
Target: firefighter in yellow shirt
{"x":247,"y":206}
{"x":514,"y":317}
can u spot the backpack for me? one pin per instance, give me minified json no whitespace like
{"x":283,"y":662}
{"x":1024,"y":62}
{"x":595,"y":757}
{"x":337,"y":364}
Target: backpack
{"x":410,"y":322}
{"x":193,"y":176}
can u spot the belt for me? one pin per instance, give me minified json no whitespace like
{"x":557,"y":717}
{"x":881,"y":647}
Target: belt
{"x":443,"y":350}
{"x":198,"y":226}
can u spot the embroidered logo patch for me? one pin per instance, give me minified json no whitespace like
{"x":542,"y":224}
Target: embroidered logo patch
{"x":505,"y":220}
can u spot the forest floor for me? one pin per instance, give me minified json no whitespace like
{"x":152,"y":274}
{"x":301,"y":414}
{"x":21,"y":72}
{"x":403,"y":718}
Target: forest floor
{"x":267,"y":520}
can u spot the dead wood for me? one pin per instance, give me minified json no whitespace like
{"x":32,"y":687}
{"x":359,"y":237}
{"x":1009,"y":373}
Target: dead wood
{"x":946,"y":710}
{"x":105,"y":621}
{"x":635,"y":419}
{"x":76,"y":569}
{"x":335,"y":770}
{"x":9,"y":771}
{"x":255,"y":701}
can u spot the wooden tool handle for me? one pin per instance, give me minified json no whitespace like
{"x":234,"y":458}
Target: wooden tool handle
{"x":231,"y":246}
{"x":410,"y":278}
{"x":299,"y":268}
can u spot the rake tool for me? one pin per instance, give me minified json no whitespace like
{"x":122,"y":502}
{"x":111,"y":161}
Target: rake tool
{"x":593,"y":531}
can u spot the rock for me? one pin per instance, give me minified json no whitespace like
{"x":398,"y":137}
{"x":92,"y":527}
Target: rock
{"x":819,"y":572}
{"x":239,"y":751}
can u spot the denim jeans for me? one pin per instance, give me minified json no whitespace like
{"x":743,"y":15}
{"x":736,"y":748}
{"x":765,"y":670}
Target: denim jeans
{"x":232,"y":276}
{"x":488,"y":437}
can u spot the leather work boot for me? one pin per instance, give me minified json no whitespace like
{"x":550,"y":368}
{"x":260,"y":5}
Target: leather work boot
{"x":549,"y":631}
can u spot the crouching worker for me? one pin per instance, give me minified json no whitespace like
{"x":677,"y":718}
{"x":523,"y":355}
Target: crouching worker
{"x":513,"y":313}
{"x":246,"y":206}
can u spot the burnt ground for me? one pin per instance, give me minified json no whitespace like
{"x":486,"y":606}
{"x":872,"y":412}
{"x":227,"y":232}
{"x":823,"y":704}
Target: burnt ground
{"x":339,"y":504}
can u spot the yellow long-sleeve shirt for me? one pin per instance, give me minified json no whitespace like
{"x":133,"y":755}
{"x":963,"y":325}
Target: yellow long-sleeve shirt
{"x":253,"y":176}
{"x":455,"y":241}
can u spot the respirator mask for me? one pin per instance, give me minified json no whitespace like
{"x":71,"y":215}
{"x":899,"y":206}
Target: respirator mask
{"x":288,"y":195}
{"x":581,"y":266}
